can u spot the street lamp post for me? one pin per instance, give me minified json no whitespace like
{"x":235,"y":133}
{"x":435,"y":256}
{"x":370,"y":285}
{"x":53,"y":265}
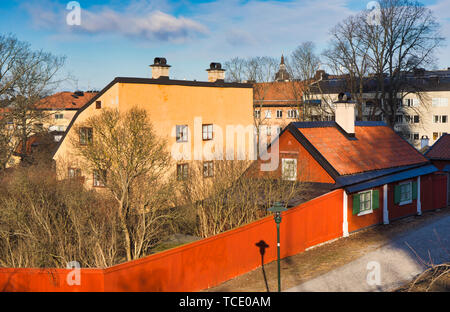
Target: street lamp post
{"x":277,"y":209}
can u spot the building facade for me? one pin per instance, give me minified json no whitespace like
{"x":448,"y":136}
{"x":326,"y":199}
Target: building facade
{"x":188,"y":114}
{"x":422,"y":113}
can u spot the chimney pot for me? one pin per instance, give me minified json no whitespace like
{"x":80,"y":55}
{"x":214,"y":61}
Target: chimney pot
{"x":345,"y":113}
{"x":160,"y":69}
{"x":215,"y":72}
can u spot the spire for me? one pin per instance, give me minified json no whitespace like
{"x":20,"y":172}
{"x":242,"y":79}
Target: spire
{"x":282,"y":59}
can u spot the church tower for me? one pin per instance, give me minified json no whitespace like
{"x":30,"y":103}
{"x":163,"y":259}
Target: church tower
{"x":282,"y":74}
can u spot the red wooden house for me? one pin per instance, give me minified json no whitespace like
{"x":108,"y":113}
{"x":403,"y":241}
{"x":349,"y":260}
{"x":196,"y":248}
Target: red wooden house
{"x":383,"y":176}
{"x":439,"y":154}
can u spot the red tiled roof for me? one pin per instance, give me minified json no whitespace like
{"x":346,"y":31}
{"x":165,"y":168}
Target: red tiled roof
{"x":440,"y":149}
{"x":278,"y":92}
{"x":66,"y":100}
{"x":375,"y":147}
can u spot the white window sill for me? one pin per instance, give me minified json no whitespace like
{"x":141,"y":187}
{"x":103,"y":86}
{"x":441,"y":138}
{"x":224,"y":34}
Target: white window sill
{"x":365,"y":212}
{"x":405,"y":202}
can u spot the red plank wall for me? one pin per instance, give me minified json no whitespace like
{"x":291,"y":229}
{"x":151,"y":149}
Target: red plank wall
{"x":201,"y":264}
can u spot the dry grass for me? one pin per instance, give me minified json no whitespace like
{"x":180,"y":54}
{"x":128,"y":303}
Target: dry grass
{"x":434,"y":279}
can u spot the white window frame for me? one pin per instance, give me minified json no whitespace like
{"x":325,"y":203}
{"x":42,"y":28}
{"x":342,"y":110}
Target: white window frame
{"x":181,"y":133}
{"x":293,"y":113}
{"x":279,"y":113}
{"x":407,"y":201}
{"x":208,"y":134}
{"x":268,"y":114}
{"x":367,"y":211}
{"x":284,"y":164}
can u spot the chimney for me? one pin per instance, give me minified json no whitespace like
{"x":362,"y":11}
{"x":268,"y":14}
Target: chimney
{"x":160,"y":69}
{"x":345,"y":113}
{"x":216,"y":73}
{"x":424,"y":141}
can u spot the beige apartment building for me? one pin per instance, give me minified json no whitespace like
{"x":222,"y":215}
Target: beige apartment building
{"x":60,"y":109}
{"x":188,"y":114}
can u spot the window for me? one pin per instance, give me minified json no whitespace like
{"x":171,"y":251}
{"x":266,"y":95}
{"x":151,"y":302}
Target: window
{"x":408,"y":119}
{"x":99,"y":178}
{"x":85,"y":136}
{"x":370,"y":103}
{"x":289,"y":169}
{"x":292,"y":113}
{"x":182,"y":133}
{"x":59,"y":116}
{"x":416,"y":118}
{"x":268,"y":114}
{"x":257,"y":113}
{"x":279,"y":113}
{"x":207,"y":131}
{"x":399,"y":118}
{"x":269,"y":130}
{"x":98,"y":104}
{"x":435,"y":136}
{"x":208,"y":169}
{"x":440,"y":118}
{"x":404,"y":193}
{"x":74,"y":173}
{"x":366,"y":202}
{"x":439,"y":102}
{"x":416,"y":136}
{"x":408,"y":102}
{"x":182,"y":171}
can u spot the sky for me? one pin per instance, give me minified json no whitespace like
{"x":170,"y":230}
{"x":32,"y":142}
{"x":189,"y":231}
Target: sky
{"x":121,"y":38}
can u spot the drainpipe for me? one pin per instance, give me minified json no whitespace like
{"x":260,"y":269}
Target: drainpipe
{"x":345,"y":215}
{"x":385,"y":205}
{"x":419,"y":201}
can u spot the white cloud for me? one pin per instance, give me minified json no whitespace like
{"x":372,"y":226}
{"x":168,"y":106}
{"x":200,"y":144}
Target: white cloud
{"x":140,"y":19}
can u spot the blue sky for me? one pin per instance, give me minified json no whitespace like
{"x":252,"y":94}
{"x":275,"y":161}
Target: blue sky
{"x":121,"y":38}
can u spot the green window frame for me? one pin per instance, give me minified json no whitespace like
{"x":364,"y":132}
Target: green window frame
{"x":366,"y":202}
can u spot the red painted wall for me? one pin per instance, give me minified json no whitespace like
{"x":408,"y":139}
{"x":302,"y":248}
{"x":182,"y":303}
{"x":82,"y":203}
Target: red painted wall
{"x":356,"y":222}
{"x":49,"y":280}
{"x":211,"y":261}
{"x":201,"y":264}
{"x":308,"y":169}
{"x":439,"y":190}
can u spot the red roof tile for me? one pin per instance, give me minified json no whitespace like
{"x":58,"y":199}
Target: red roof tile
{"x":276,"y":93}
{"x":440,"y":149}
{"x":66,"y":100}
{"x":375,"y":147}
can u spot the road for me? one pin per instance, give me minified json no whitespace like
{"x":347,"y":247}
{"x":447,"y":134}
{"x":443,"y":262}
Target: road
{"x":390,"y":266}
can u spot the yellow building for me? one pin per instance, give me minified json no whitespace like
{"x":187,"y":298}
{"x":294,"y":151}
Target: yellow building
{"x":188,"y":114}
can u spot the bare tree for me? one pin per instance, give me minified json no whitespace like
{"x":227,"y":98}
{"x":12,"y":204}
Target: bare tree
{"x":303,"y":65}
{"x":384,"y":54}
{"x":347,"y":55}
{"x":26,"y":77}
{"x":261,"y":72}
{"x":132,"y":163}
{"x":224,"y":198}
